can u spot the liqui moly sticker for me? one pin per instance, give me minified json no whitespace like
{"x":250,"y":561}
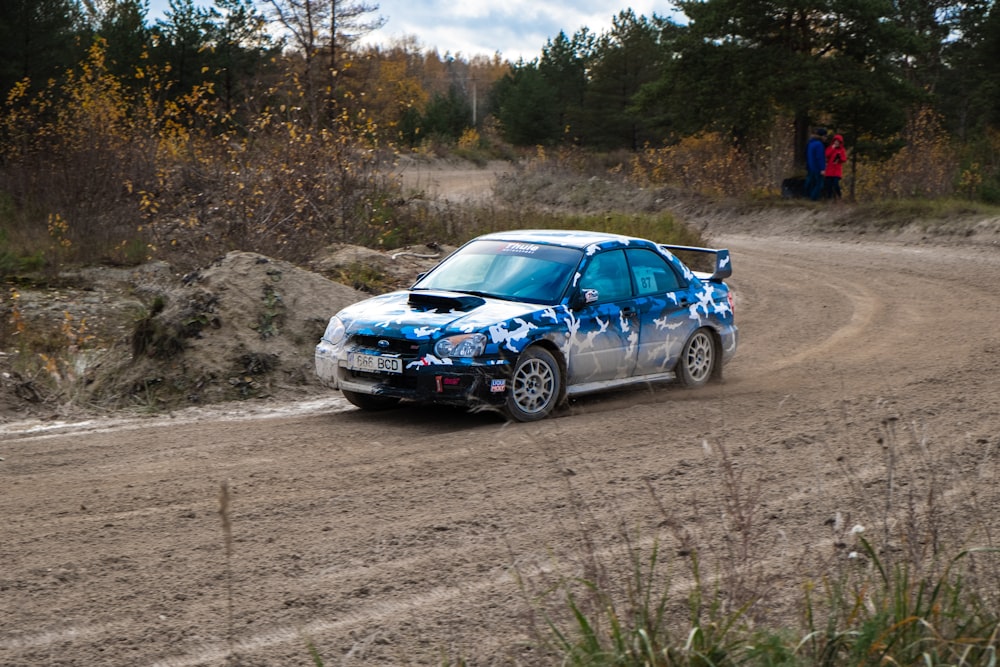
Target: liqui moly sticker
{"x":498,"y":386}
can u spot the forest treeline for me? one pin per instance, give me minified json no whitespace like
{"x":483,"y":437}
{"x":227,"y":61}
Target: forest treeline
{"x":270,"y":123}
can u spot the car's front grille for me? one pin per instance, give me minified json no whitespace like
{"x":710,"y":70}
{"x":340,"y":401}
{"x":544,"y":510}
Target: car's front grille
{"x":408,"y":350}
{"x":401,"y":346}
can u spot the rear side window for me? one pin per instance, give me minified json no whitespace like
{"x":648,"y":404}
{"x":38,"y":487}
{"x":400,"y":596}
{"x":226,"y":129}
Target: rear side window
{"x":651,"y":273}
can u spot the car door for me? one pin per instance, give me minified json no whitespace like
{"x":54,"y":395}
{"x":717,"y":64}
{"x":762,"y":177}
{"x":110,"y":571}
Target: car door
{"x":663,"y":307}
{"x":604,"y":344}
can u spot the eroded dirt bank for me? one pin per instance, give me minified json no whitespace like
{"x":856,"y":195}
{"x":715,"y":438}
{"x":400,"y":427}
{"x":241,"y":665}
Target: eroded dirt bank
{"x":399,"y":538}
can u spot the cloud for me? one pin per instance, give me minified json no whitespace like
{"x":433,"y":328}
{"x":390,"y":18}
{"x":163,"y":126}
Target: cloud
{"x":514,"y":28}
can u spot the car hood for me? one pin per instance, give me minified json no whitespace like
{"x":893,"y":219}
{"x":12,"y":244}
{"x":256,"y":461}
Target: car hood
{"x":423,"y":315}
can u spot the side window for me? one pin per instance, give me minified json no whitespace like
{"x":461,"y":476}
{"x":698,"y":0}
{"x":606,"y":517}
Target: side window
{"x":608,"y":274}
{"x":652,"y":273}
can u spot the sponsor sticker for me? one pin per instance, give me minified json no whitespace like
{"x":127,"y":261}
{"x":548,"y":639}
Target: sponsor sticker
{"x":498,"y":386}
{"x":520,"y":248}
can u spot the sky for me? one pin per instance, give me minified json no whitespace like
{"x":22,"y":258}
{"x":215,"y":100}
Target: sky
{"x":514,"y":28}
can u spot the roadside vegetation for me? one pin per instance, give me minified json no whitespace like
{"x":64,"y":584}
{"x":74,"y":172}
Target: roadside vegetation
{"x":897,"y":584}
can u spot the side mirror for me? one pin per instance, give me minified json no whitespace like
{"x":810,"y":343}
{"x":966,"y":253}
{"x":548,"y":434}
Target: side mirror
{"x":584,"y":297}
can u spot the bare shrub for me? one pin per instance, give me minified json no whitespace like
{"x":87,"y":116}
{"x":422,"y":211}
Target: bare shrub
{"x":280,"y":190}
{"x":99,"y":164}
{"x":72,"y":150}
{"x":703,"y":163}
{"x":927,"y":165}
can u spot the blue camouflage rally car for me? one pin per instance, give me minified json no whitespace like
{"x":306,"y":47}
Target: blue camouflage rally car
{"x":518,"y":321}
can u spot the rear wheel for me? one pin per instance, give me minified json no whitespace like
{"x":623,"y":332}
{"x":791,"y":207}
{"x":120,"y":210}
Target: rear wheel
{"x":697,"y":360}
{"x":535,"y":386}
{"x":370,"y":402}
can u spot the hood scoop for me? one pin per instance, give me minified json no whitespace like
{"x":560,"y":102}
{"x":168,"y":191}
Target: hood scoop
{"x":444,"y":302}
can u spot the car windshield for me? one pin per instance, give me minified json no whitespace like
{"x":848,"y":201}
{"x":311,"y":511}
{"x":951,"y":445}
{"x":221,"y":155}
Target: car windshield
{"x":505,"y":269}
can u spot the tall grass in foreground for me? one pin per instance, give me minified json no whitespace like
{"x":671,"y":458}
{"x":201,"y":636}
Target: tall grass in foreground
{"x":891,"y":594}
{"x":891,"y":614}
{"x":869,"y":616}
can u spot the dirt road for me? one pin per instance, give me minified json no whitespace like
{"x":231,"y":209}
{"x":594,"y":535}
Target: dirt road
{"x":867,"y":374}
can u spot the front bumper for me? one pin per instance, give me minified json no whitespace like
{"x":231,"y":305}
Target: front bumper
{"x":424,"y":378}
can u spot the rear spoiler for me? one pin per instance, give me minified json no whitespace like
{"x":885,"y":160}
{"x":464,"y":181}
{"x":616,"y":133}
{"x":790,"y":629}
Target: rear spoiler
{"x":700,"y":259}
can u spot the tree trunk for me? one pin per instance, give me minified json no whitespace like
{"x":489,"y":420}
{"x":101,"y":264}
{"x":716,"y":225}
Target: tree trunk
{"x":801,"y":139}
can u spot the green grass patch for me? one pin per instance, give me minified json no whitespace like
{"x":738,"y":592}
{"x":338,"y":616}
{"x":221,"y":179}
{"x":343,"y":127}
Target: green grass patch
{"x":364,"y":278}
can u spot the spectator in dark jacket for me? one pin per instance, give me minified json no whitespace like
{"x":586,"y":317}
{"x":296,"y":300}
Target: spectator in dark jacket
{"x":815,"y":163}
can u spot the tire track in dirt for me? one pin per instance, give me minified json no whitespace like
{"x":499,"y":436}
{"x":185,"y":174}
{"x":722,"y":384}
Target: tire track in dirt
{"x":882,"y":319}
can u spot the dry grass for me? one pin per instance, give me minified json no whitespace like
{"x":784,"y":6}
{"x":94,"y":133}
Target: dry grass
{"x":904,"y":584}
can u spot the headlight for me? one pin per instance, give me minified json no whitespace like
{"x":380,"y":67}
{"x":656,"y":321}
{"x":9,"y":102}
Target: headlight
{"x":334,"y":331}
{"x":466,"y":345}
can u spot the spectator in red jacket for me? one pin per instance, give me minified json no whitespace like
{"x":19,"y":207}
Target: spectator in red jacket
{"x":836,"y":156}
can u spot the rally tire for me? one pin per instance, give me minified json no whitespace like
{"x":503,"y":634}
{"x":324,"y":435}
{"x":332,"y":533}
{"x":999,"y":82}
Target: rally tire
{"x":536,"y":386}
{"x":698,"y":359}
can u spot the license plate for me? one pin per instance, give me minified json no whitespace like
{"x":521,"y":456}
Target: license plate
{"x":373,"y":363}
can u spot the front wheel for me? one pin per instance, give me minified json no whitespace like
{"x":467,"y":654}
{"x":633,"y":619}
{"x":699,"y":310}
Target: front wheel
{"x":535,"y":386}
{"x":370,"y":402}
{"x":697,"y":360}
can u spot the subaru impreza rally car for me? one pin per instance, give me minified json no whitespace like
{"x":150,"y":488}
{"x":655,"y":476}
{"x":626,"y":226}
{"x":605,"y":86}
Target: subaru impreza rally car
{"x":518,"y":321}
